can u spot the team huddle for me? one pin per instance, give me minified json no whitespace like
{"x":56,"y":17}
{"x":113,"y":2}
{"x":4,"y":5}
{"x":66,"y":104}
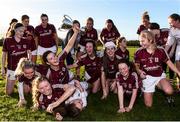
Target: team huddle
{"x":58,"y":90}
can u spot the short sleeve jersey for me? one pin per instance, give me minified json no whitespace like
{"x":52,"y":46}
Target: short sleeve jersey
{"x":113,"y":35}
{"x":44,"y":101}
{"x":130,"y":83}
{"x":151,"y":63}
{"x":122,"y":54}
{"x":88,"y":34}
{"x":15,"y":51}
{"x":46,"y":35}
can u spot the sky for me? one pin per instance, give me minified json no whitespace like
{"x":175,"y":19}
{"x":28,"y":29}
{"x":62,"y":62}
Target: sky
{"x":126,"y":14}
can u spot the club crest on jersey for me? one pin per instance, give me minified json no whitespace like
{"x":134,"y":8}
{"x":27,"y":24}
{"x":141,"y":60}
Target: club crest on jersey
{"x":24,"y":46}
{"x":130,"y":86}
{"x":92,"y":35}
{"x":88,"y":35}
{"x":50,"y":31}
{"x":63,"y":69}
{"x":19,"y":46}
{"x":156,"y":59}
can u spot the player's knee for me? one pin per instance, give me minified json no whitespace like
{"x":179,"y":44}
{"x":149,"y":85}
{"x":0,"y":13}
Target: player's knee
{"x":148,"y":104}
{"x":169,"y":91}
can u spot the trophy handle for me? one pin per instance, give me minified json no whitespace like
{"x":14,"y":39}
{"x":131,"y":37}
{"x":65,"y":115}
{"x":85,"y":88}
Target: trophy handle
{"x":68,"y":17}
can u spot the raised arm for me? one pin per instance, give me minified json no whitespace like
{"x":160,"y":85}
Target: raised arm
{"x":56,"y":39}
{"x":72,"y":40}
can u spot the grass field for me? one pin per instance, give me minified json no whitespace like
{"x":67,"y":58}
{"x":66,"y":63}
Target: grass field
{"x":97,"y":109}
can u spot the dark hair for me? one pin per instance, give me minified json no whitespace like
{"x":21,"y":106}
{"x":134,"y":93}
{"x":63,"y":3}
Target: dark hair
{"x":113,"y":26}
{"x":12,"y":33}
{"x":175,"y":17}
{"x":154,"y":25}
{"x":75,"y":22}
{"x":105,"y":60}
{"x":72,"y":110}
{"x":13,"y":20}
{"x":90,"y":19}
{"x":44,"y":56}
{"x":93,"y":42}
{"x":146,"y":16}
{"x":119,"y":40}
{"x":44,"y":15}
{"x":18,"y":25}
{"x":129,"y":64}
{"x":60,"y":109}
{"x":24,"y":17}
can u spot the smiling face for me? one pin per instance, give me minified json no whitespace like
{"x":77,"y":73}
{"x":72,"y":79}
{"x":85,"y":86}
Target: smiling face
{"x":52,"y":59}
{"x":109,"y":25}
{"x":89,"y":25}
{"x":110,"y":51}
{"x":123,"y":69}
{"x":145,"y":22}
{"x":44,"y":87}
{"x":25,"y":22}
{"x":28,"y":72}
{"x":44,"y":21}
{"x":19,"y":32}
{"x":89,"y":48}
{"x":78,"y":103}
{"x":144,"y":42}
{"x":146,"y":39}
{"x":173,"y":23}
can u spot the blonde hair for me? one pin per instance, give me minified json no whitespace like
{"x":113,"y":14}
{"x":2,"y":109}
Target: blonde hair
{"x":23,"y":64}
{"x":148,"y":35}
{"x":35,"y":90}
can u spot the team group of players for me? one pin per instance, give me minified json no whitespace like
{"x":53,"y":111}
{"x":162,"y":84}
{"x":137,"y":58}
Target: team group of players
{"x":57,"y":90}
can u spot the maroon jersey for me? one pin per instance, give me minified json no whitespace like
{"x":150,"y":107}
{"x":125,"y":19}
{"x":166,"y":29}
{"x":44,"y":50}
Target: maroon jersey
{"x":29,"y":31}
{"x":44,"y":101}
{"x":29,"y":35}
{"x":15,"y":51}
{"x":123,"y":54}
{"x":60,"y":76}
{"x":141,"y":28}
{"x":111,"y":67}
{"x":42,"y":69}
{"x":92,"y":66}
{"x":25,"y":80}
{"x":151,"y":63}
{"x":161,"y":41}
{"x":128,"y":84}
{"x":88,"y":34}
{"x":46,"y":35}
{"x":109,"y":35}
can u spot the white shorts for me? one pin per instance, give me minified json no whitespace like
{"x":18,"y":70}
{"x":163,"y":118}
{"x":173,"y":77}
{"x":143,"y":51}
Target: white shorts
{"x":177,"y":55}
{"x":87,"y":76}
{"x":10,"y":75}
{"x":150,"y":82}
{"x":42,"y":50}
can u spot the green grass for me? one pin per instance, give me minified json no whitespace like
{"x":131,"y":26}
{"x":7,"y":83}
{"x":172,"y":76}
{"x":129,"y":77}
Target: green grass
{"x":97,"y":109}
